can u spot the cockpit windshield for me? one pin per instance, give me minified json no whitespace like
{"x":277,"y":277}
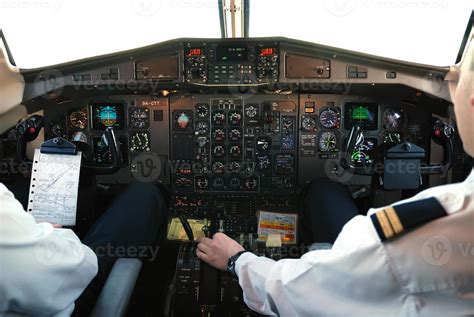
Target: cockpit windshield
{"x":426,"y":31}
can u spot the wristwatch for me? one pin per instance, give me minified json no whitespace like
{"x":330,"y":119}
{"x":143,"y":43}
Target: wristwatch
{"x":232,"y":260}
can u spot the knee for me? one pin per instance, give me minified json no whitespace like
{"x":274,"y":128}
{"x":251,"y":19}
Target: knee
{"x":146,"y":192}
{"x":322,"y":186}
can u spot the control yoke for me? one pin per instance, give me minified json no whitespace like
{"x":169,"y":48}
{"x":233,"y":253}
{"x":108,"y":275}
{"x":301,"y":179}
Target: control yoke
{"x":110,"y":140}
{"x":356,"y":137}
{"x":28,"y":130}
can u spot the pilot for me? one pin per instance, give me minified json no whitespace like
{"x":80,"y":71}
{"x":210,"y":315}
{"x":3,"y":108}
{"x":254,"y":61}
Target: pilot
{"x":413,"y":258}
{"x":44,"y":269}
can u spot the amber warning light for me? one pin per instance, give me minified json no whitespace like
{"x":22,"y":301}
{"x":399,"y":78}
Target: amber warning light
{"x":267,"y":51}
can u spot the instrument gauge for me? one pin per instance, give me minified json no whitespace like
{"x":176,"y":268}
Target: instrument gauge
{"x":202,"y":110}
{"x":235,"y":117}
{"x":78,"y":119}
{"x":308,"y":124}
{"x":218,"y":118}
{"x":251,"y":110}
{"x":140,"y":141}
{"x":392,"y":119}
{"x":263,"y":144}
{"x":329,"y":118}
{"x":415,"y":131}
{"x":139,"y":118}
{"x":182,"y":120}
{"x":202,"y":127}
{"x":328,"y":142}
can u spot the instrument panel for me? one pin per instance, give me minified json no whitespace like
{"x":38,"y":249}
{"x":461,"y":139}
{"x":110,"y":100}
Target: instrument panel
{"x":247,"y":143}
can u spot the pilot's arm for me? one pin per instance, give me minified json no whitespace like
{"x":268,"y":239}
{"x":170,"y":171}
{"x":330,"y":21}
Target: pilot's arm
{"x":42,"y":269}
{"x":366,"y":274}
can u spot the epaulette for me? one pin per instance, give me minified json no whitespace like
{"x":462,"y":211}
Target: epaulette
{"x":392,"y":221}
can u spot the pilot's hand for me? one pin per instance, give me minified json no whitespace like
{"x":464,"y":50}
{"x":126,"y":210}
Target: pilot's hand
{"x":218,"y":250}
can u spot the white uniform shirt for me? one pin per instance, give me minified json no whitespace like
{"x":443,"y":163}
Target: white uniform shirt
{"x":428,"y":271}
{"x":43,"y":270}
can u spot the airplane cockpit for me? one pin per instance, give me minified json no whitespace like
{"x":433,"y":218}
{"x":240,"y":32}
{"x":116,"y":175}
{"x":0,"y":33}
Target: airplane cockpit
{"x":232,"y":131}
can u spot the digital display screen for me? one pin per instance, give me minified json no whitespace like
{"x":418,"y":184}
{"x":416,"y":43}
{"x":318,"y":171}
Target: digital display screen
{"x":195,"y":52}
{"x":363,"y":153}
{"x":231,"y":53}
{"x":108,"y":114}
{"x":362,"y":114}
{"x":266,"y":51}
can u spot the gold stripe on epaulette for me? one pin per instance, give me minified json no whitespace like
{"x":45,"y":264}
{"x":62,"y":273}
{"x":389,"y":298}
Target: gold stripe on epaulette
{"x":383,"y":220}
{"x":394,"y":220}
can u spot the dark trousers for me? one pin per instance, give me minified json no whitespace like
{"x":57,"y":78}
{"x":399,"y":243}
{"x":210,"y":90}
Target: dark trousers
{"x":328,"y":206}
{"x":132,"y":224}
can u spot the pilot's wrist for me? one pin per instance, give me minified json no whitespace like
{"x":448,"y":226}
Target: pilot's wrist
{"x":232,"y":261}
{"x":243,"y":259}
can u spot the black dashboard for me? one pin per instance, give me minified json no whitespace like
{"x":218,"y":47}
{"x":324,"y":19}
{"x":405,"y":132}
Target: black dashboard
{"x":221,"y":120}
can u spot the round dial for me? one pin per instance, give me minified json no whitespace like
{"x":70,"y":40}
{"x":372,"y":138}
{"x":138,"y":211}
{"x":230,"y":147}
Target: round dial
{"x":235,"y":150}
{"x":202,"y":182}
{"x":139,"y":118}
{"x":329,"y":118}
{"x":218,"y":118}
{"x":235,"y":134}
{"x":328,"y":142}
{"x":218,"y":135}
{"x":57,"y":130}
{"x":183,"y":120}
{"x":201,"y":141}
{"x":202,"y":127}
{"x":218,"y":150}
{"x":392,"y":119}
{"x":218,"y":183}
{"x":140,"y":141}
{"x":78,"y":119}
{"x":263,"y":144}
{"x":414,"y":130}
{"x":218,"y":167}
{"x":234,"y":167}
{"x":392,"y":137}
{"x":234,"y":182}
{"x":235,"y":117}
{"x":251,"y":110}
{"x":202,"y":110}
{"x":309,"y":124}
{"x":251,"y":183}
{"x":263,"y":162}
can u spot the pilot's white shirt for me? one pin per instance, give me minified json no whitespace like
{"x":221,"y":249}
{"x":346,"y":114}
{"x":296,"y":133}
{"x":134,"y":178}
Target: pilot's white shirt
{"x":428,"y":271}
{"x":43,"y":270}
